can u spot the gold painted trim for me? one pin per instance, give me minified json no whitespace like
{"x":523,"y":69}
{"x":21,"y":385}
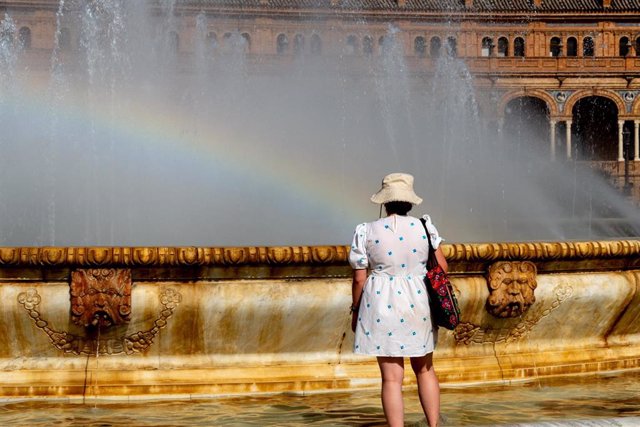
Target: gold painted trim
{"x":300,"y":255}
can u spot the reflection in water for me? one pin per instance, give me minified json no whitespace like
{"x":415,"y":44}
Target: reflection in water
{"x":597,"y":398}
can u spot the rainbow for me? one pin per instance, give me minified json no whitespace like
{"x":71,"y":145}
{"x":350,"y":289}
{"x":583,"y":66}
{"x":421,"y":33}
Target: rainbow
{"x":158,"y":126}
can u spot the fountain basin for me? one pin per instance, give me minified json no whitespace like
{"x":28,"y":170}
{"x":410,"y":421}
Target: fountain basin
{"x":219,"y":321}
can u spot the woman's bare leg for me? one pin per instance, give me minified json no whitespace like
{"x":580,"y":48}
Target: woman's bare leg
{"x":392,"y":371}
{"x":428,"y":387}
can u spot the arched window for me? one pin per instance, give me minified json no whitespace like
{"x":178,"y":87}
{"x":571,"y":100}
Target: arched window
{"x":367,"y":45}
{"x":316,"y":45}
{"x":298,"y":44}
{"x":487,"y":46}
{"x":588,"y":47}
{"x":24,"y":38}
{"x":452,"y":46}
{"x":385,"y":43}
{"x":212,"y":40}
{"x":434,"y":47}
{"x":381,"y":40}
{"x":352,"y":45}
{"x":555,"y":47}
{"x":174,"y":42}
{"x":227,"y":44}
{"x":518,"y":46}
{"x":420,"y":46}
{"x":282,"y":44}
{"x":64,"y":40}
{"x":6,"y":37}
{"x":625,"y":46}
{"x":503,"y":46}
{"x":572,"y":46}
{"x":246,"y":39}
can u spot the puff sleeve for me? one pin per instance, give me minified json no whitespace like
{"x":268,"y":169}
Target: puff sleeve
{"x":358,"y":254}
{"x":433,"y":232}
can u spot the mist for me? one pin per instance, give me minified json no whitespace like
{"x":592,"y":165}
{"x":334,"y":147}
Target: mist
{"x":126,"y":142}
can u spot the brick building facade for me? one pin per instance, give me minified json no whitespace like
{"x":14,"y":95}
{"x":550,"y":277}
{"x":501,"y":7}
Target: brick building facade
{"x":576,"y":62}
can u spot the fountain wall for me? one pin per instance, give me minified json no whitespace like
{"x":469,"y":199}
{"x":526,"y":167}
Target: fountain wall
{"x":200,"y":322}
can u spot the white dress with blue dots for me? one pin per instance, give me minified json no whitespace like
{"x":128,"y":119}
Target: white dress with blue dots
{"x":394,"y":317}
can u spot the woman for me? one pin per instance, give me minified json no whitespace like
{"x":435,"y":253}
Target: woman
{"x":391,"y":316}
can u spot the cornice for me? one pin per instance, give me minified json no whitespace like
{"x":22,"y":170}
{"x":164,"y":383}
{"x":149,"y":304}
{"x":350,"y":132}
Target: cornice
{"x":409,"y":14}
{"x":377,"y":14}
{"x":300,"y":255}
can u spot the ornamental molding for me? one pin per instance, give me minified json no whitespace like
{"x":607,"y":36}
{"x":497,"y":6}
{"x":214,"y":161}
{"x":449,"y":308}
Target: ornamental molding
{"x":560,"y":97}
{"x":299,"y":255}
{"x":469,"y":333}
{"x":92,"y":345}
{"x":512,"y":286}
{"x":100,"y":297}
{"x":628,"y":97}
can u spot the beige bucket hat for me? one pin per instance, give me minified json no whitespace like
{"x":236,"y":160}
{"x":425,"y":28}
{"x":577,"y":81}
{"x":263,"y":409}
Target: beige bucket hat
{"x":396,"y":187}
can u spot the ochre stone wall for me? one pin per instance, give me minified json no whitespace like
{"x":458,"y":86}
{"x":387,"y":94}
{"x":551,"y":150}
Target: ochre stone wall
{"x":212,"y":321}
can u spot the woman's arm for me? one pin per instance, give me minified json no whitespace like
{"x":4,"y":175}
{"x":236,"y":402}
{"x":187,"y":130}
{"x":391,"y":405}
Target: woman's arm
{"x":442,"y":260}
{"x":357,"y":285}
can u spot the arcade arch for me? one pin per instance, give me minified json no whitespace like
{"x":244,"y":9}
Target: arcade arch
{"x":531,"y":93}
{"x":526,"y":122}
{"x":596,"y":128}
{"x":577,"y":96}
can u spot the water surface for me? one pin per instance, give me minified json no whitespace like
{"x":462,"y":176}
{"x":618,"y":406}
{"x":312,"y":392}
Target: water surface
{"x":597,"y":399}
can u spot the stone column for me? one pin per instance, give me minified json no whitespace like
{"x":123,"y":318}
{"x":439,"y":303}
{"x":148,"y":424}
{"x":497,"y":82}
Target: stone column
{"x":552,"y":131}
{"x":569,"y":122}
{"x":636,"y":141}
{"x":620,"y":141}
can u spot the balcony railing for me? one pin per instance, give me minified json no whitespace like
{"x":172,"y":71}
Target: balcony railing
{"x":493,"y":66}
{"x":555,"y":65}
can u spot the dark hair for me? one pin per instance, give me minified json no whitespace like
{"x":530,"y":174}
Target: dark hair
{"x":399,"y":208}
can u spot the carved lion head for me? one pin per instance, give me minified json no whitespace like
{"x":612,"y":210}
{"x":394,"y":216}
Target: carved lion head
{"x":511,"y":288}
{"x":100,"y":297}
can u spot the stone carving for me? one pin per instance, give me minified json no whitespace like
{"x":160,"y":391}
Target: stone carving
{"x":137,"y":342}
{"x":511,"y":288}
{"x":101,"y":297}
{"x":561,"y":96}
{"x":309,"y":255}
{"x":469,"y":333}
{"x":628,"y":96}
